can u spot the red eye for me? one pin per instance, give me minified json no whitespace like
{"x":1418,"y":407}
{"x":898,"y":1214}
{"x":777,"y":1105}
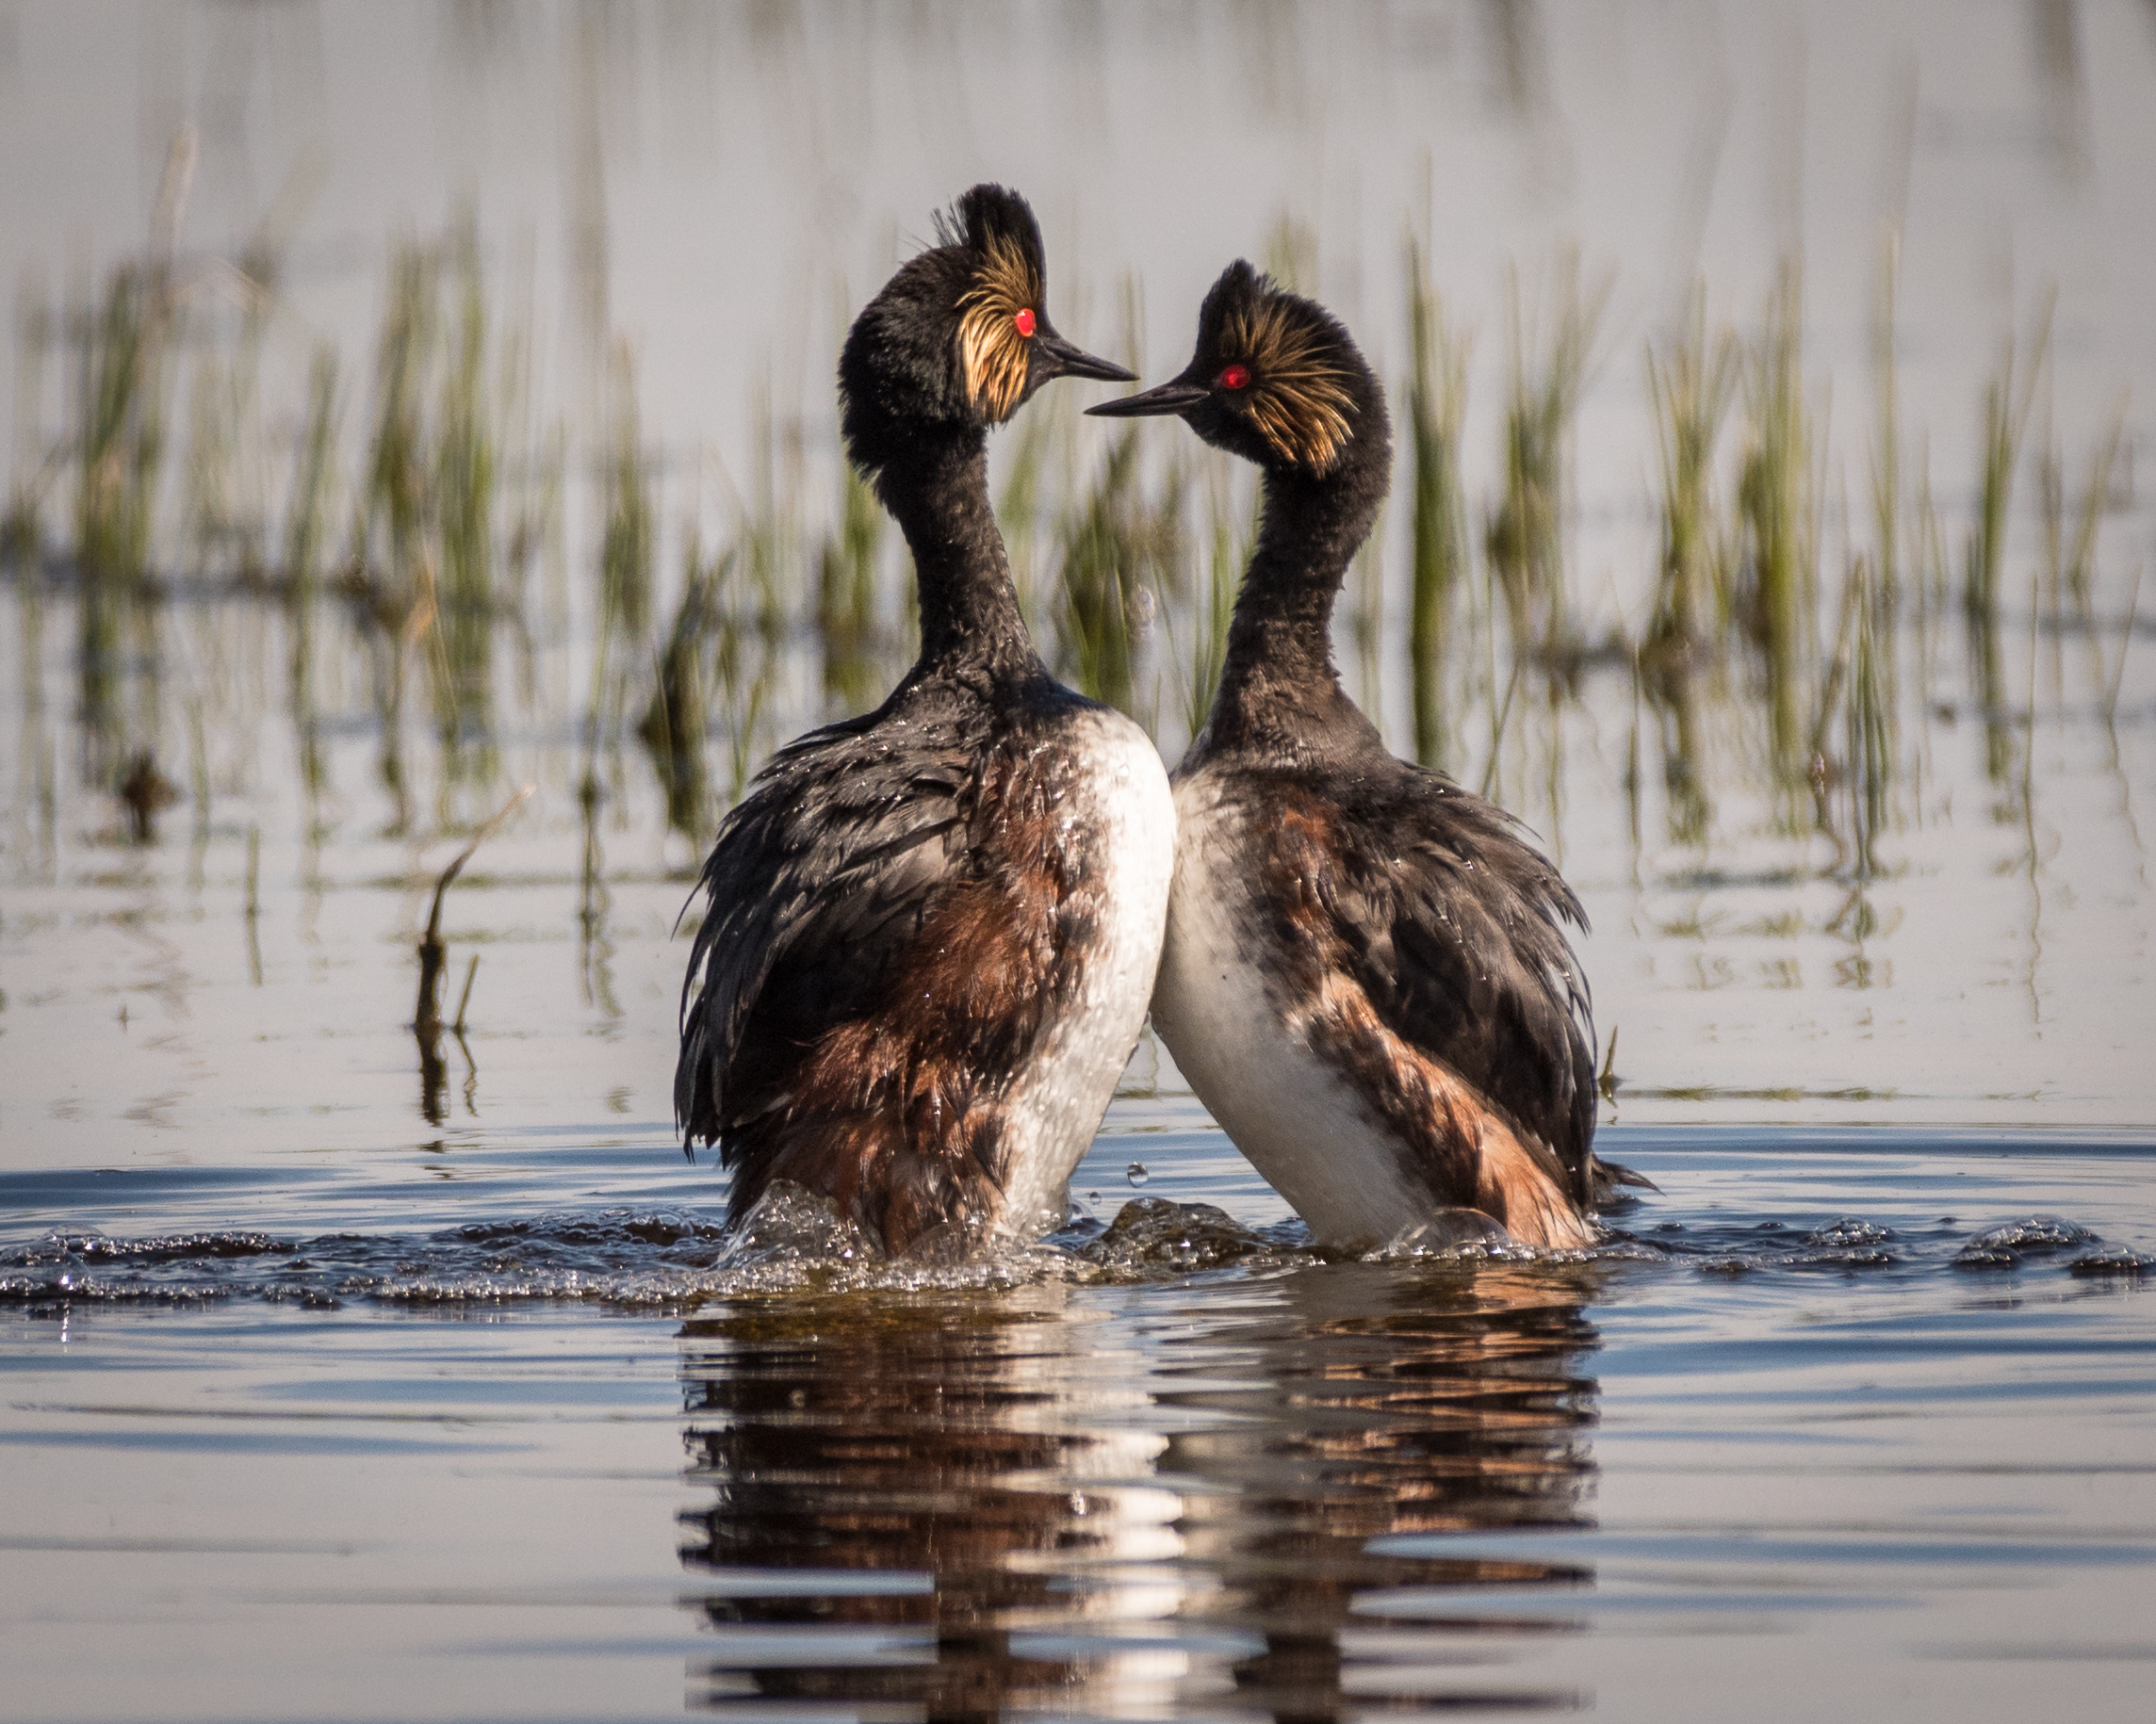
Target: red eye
{"x":1024,"y":321}
{"x":1235,"y":377}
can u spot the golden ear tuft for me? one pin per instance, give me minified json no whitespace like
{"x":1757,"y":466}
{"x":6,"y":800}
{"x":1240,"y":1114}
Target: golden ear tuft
{"x":991,"y":351}
{"x":1301,"y":402}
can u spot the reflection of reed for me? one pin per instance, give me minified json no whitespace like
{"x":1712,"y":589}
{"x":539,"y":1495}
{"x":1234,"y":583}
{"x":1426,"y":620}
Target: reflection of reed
{"x":674,"y":723}
{"x":1097,"y":1529}
{"x":595,"y":947}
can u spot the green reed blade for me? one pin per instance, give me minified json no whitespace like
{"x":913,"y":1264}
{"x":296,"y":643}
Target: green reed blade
{"x":1437,"y":409}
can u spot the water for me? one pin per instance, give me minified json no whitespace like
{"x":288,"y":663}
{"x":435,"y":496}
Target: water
{"x":358,"y":1374}
{"x":522,"y":1446}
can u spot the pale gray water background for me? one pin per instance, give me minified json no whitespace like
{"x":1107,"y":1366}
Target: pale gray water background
{"x":328,"y":1396}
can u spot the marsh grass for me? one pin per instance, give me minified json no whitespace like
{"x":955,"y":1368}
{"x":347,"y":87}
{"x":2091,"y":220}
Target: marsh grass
{"x":1853,"y":745}
{"x":124,"y":342}
{"x":1861,"y":698}
{"x":1778,"y":503}
{"x":530,"y":453}
{"x":677,"y":717}
{"x":1039,"y":455}
{"x":1199,"y":645}
{"x":628,"y":550}
{"x":442,"y":535}
{"x":1869,"y":728}
{"x":1127,"y":563}
{"x":388,"y":570}
{"x":433,"y":953}
{"x":22,"y":559}
{"x":1291,"y":254}
{"x":1119,"y":549}
{"x":389,"y":574}
{"x":461,"y":645}
{"x":746,"y":674}
{"x":1692,"y":380}
{"x":847,"y":597}
{"x":309,"y":500}
{"x":22,"y":525}
{"x":1439,"y":556}
{"x":2071,"y":523}
{"x":1676,"y":701}
{"x":1691,"y":383}
{"x":1886,"y":428}
{"x":2008,"y":398}
{"x":1524,"y":534}
{"x":312,"y":493}
{"x":1092,"y":612}
{"x":1932,"y":582}
{"x":768,"y":534}
{"x":222,"y":530}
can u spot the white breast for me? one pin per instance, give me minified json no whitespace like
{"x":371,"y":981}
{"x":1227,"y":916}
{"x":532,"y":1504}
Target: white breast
{"x":1125,"y":817}
{"x":1302,"y":1128}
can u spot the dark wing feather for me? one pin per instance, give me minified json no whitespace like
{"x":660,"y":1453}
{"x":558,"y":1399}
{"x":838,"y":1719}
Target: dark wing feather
{"x":820,"y":879}
{"x":1456,"y":930}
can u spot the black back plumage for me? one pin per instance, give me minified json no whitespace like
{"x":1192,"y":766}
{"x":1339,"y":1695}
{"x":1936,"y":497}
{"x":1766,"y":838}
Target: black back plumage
{"x":820,"y":879}
{"x":1457,"y":927}
{"x":1448,"y":919}
{"x":887,"y":910}
{"x":820,"y":884}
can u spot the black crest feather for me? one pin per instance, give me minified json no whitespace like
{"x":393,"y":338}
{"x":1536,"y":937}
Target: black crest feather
{"x":1303,"y":399}
{"x":996,"y":227}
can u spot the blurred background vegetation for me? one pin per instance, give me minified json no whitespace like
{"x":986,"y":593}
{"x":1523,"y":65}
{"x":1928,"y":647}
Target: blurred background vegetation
{"x":408,"y":403}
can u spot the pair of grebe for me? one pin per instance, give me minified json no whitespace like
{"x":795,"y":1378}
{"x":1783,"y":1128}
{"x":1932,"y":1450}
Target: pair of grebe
{"x":933,"y":933}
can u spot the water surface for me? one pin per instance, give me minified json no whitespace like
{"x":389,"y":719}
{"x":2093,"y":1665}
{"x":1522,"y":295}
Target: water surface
{"x":1811,"y":1429}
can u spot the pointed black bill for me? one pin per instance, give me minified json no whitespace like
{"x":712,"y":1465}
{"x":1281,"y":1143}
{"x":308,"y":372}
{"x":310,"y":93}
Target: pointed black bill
{"x":1177,"y":397}
{"x":1062,"y":359}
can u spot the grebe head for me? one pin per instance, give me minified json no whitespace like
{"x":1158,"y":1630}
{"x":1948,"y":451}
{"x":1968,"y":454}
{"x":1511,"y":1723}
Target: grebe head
{"x":1275,"y":380}
{"x":959,"y":338}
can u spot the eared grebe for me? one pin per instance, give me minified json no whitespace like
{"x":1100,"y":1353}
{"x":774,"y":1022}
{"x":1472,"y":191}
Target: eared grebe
{"x":932,"y":931}
{"x":1366,"y":977}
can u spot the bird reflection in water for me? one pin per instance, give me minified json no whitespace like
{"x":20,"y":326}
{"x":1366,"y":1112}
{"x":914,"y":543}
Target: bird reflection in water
{"x":1135,"y":1500}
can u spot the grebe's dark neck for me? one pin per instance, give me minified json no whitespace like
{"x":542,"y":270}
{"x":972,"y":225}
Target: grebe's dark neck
{"x":1279,"y":692}
{"x":938,"y":488}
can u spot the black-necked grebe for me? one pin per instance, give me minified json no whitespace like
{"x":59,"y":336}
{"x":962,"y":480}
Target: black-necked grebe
{"x":1366,"y":976}
{"x":932,"y":931}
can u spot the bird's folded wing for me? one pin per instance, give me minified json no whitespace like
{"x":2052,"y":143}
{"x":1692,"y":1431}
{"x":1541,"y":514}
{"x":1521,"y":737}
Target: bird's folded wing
{"x":1453,"y":926}
{"x":817,"y":886}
